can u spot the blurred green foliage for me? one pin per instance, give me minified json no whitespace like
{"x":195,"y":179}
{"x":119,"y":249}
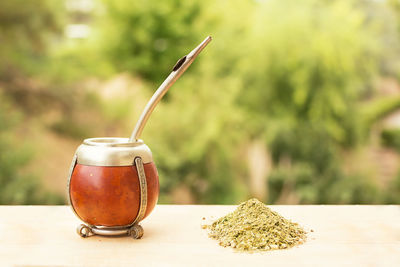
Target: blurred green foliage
{"x":16,"y":186}
{"x":307,"y":73}
{"x":144,"y":37}
{"x":394,"y":191}
{"x":391,"y":138}
{"x":291,"y":72}
{"x":299,"y":77}
{"x":26,"y":28}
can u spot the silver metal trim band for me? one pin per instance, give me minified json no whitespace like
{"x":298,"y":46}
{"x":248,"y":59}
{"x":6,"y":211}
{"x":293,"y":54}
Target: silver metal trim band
{"x":112,"y":151}
{"x":143,"y":189}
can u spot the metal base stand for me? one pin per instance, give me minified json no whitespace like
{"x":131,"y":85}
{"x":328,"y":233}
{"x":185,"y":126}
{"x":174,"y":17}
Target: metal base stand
{"x":135,"y":231}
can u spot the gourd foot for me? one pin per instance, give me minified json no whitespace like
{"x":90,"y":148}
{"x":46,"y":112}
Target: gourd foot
{"x":136,"y":231}
{"x":84,"y":230}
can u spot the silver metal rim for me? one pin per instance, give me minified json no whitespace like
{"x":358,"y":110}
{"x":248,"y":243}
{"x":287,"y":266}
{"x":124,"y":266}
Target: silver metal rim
{"x":112,"y":151}
{"x":112,"y":142}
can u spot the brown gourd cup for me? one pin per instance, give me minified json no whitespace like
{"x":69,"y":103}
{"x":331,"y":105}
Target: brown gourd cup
{"x":113,"y":185}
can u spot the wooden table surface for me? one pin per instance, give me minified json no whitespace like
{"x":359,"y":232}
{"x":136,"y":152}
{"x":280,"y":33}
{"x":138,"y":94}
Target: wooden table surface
{"x":343,"y":236}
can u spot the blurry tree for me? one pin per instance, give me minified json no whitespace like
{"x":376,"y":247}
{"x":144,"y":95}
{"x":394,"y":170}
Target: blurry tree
{"x":294,"y":73}
{"x":310,"y":64}
{"x":394,"y":191}
{"x":395,"y":7}
{"x":299,"y":75}
{"x":147,"y":37}
{"x":15,"y":186}
{"x":26,"y":28}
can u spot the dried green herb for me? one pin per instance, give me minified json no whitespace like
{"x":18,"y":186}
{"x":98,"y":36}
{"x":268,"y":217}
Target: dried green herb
{"x":253,"y":226}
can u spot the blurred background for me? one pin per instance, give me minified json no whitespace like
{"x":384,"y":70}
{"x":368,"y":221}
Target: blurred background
{"x":294,"y":102}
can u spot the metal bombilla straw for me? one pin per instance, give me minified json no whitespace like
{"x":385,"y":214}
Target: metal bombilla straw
{"x":179,"y":68}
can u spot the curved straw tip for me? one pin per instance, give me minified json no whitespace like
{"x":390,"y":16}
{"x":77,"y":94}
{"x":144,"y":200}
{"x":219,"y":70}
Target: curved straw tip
{"x":208,"y":39}
{"x":199,"y":48}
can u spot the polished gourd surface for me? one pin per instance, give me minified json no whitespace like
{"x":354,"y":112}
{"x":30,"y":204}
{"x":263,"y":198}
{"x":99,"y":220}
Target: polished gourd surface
{"x":110,"y":196}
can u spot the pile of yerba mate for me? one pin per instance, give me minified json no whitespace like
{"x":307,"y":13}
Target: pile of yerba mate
{"x":255,"y":227}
